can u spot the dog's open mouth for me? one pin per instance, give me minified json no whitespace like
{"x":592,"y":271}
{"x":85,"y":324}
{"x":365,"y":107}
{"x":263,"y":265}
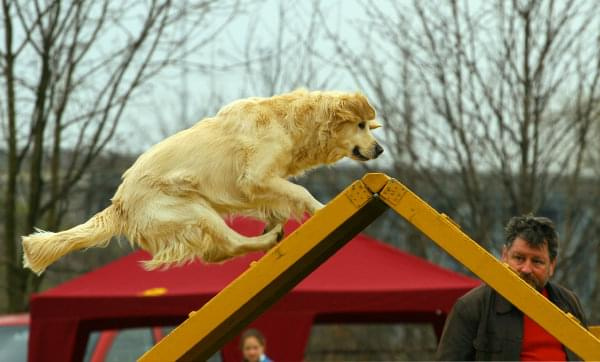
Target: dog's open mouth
{"x":358,"y":155}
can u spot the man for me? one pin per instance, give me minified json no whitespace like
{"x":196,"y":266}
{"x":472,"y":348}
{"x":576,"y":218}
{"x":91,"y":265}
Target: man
{"x":484,"y":326}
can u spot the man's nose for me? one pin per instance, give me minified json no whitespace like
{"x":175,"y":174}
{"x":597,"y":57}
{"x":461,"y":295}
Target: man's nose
{"x":378,"y":150}
{"x":526,"y":267}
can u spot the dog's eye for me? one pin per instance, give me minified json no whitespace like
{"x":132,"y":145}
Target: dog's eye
{"x":362,"y":125}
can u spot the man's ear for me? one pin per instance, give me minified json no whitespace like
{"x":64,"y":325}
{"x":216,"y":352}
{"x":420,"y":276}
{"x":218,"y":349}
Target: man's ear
{"x":504,"y":257}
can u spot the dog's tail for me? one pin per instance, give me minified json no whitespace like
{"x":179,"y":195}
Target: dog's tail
{"x":43,"y":248}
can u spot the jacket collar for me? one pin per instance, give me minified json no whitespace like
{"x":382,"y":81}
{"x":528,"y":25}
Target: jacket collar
{"x":553,"y":295}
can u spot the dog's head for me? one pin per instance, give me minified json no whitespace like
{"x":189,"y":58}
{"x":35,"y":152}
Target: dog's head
{"x":353,"y":119}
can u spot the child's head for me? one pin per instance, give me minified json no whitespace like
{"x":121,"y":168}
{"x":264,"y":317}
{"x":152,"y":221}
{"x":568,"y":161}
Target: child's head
{"x":252,"y":344}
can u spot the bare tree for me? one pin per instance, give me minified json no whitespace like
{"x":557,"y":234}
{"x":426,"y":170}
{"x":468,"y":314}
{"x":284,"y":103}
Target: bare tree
{"x":269,"y":51}
{"x":278,"y":55}
{"x":69,"y":70}
{"x":489,"y":106}
{"x":589,"y":260}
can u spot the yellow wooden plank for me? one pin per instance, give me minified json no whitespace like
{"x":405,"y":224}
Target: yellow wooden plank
{"x":375,"y":181}
{"x":446,"y":233}
{"x":595,"y":331}
{"x":277,"y":272}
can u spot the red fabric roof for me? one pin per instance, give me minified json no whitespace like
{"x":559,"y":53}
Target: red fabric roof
{"x":366,"y":280}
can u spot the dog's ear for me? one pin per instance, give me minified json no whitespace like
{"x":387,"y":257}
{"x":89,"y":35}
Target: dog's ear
{"x":352,"y":108}
{"x":364,"y":110}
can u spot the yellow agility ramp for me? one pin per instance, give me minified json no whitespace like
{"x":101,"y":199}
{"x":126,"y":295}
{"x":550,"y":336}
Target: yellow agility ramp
{"x":267,"y":280}
{"x":285,"y":265}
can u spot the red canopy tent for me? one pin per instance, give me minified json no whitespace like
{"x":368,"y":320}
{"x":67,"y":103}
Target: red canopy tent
{"x":365,"y":281}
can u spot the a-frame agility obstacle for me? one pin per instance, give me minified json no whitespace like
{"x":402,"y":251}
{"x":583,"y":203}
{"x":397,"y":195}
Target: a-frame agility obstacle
{"x":285,"y":265}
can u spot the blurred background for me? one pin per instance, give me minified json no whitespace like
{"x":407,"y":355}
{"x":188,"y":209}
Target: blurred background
{"x":490,"y":109}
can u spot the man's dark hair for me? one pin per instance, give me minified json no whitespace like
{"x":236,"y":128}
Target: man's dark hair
{"x":535,"y":230}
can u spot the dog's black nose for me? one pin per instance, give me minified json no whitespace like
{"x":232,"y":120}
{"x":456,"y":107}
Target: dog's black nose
{"x":378,"y":150}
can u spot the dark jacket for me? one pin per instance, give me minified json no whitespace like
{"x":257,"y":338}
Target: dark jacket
{"x":484,"y":326}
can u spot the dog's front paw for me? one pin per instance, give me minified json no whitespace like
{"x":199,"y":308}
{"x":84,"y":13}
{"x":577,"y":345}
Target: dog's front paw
{"x":314,"y":207}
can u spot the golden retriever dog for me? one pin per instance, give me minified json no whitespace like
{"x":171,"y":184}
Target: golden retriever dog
{"x":173,"y":201}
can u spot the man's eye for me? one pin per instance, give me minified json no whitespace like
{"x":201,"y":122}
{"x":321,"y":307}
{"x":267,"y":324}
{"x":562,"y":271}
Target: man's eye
{"x":362,"y":125}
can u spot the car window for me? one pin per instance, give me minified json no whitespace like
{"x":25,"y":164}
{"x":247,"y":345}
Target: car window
{"x":13,"y":343}
{"x":130,"y":344}
{"x":91,"y":345}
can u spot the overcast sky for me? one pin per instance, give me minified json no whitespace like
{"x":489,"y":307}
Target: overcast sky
{"x":176,"y":100}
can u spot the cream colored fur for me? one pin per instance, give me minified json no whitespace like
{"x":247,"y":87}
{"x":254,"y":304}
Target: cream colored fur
{"x":173,"y":200}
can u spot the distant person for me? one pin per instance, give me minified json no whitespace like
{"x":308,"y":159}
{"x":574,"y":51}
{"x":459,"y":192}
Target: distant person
{"x":484,"y":326}
{"x":253,"y":345}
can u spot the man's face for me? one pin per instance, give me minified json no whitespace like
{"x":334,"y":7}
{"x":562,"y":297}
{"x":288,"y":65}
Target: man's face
{"x":531,"y":263}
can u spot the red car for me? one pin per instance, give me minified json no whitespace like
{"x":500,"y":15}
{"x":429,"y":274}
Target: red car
{"x":106,"y":345}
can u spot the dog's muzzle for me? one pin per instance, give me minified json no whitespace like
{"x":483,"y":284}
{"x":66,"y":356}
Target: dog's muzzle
{"x":358,"y":155}
{"x":377,"y":150}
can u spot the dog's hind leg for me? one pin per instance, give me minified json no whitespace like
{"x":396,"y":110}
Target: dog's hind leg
{"x":242,"y":245}
{"x":212,"y":240}
{"x":273,"y":224}
{"x":227,"y":243}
